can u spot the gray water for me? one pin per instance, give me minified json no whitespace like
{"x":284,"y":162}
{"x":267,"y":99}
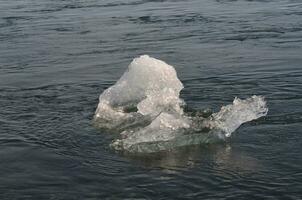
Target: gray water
{"x":57,"y":56}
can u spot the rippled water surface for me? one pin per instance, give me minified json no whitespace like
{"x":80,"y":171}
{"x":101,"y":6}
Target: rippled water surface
{"x":57,"y":56}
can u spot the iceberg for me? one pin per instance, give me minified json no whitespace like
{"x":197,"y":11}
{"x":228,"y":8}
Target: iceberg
{"x":145,"y":109}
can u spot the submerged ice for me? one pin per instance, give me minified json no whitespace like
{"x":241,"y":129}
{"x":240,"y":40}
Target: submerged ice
{"x":144,"y":107}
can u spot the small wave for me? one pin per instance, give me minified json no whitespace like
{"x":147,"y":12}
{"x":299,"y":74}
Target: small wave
{"x":12,"y":20}
{"x":243,"y":37}
{"x":177,"y":19}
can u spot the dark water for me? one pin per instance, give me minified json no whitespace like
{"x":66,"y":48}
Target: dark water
{"x":57,"y":56}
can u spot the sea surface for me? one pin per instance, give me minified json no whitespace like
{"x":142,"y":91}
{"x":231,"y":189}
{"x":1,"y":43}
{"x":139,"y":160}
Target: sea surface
{"x":57,"y":56}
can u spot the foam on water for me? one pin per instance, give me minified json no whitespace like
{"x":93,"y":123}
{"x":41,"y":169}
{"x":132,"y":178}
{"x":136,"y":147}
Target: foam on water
{"x":145,"y":108}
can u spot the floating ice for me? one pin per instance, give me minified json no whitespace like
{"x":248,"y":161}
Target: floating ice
{"x":149,"y":85}
{"x":230,"y":117}
{"x":145,"y":108}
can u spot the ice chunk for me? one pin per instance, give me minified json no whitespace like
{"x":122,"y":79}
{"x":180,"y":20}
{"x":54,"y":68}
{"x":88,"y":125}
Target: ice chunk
{"x":145,"y":108}
{"x":145,"y":76}
{"x":230,"y":117}
{"x":168,"y":131}
{"x":165,"y":133}
{"x":163,"y":128}
{"x":149,"y":85}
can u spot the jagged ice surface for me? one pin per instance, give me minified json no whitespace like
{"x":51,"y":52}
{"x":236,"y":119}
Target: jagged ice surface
{"x":145,"y":108}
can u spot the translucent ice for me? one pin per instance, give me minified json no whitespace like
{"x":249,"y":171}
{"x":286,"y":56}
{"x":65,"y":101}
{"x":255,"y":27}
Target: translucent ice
{"x":145,"y":108}
{"x":230,"y":117}
{"x":149,"y":85}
